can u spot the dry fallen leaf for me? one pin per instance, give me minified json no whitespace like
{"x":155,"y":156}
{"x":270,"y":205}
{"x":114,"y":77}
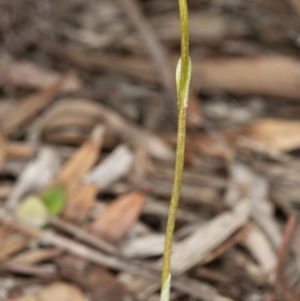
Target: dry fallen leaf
{"x":118,"y":217}
{"x":80,"y":202}
{"x":274,"y":134}
{"x":266,"y":75}
{"x":58,"y":291}
{"x":278,"y":134}
{"x":81,"y":162}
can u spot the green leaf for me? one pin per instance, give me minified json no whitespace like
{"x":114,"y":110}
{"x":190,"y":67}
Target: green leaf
{"x":55,"y":199}
{"x":165,"y":290}
{"x":33,"y":211}
{"x":183,"y":87}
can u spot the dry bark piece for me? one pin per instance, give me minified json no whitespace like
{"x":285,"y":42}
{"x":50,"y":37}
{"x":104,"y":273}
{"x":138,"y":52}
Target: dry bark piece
{"x":32,"y":76}
{"x":118,"y":217}
{"x":144,"y":246}
{"x":228,"y":244}
{"x":26,"y":108}
{"x":80,"y":202}
{"x":116,"y":165}
{"x":101,"y":284}
{"x":261,"y":249}
{"x":195,"y":247}
{"x":58,"y":291}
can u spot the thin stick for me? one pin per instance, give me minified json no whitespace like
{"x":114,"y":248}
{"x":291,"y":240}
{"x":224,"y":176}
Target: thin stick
{"x":282,"y":288}
{"x":182,"y":79}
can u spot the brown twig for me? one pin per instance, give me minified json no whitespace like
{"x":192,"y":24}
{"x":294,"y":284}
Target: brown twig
{"x":228,"y":244}
{"x":42,"y":271}
{"x":83,"y":235}
{"x":282,"y":289}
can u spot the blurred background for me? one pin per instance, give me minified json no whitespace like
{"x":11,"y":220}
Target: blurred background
{"x":88,"y":115}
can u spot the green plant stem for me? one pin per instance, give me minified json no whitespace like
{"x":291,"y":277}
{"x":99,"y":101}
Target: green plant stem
{"x":175,"y":195}
{"x":184,"y":22}
{"x":181,"y":132}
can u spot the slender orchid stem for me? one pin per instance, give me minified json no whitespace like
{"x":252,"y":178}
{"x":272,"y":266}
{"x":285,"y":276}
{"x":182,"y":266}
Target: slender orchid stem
{"x":183,"y":74}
